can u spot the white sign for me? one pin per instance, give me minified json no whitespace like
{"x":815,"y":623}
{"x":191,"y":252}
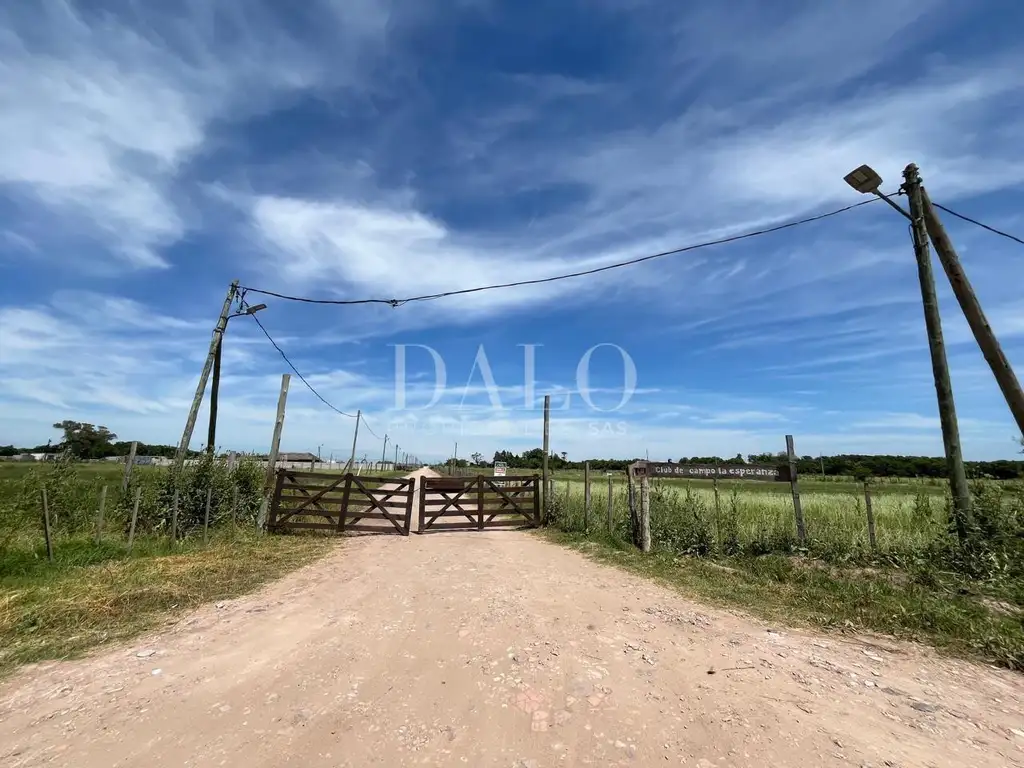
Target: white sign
{"x":499,"y":468}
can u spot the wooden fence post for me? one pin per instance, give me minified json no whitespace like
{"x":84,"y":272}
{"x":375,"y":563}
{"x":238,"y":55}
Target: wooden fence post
{"x":546,"y":478}
{"x":611,"y":501}
{"x":586,"y":497}
{"x":206,"y":518}
{"x":99,"y":515}
{"x":135,"y":517}
{"x":46,"y":526}
{"x":718,"y":513}
{"x":232,"y":458}
{"x":128,"y":465}
{"x":174,"y":518}
{"x":801,"y":530}
{"x":645,"y":512}
{"x":275,"y":441}
{"x":634,"y":516}
{"x":871,"y":516}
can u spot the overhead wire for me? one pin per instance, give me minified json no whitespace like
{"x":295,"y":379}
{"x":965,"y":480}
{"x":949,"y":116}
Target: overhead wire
{"x":296,"y":370}
{"x":582,"y":273}
{"x":951,"y":212}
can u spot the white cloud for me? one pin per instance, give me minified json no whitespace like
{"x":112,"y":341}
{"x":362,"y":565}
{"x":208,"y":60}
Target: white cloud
{"x":97,"y":117}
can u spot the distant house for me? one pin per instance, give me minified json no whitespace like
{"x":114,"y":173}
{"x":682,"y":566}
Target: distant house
{"x":298,"y":457}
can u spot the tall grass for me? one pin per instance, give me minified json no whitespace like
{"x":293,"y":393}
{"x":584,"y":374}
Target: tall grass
{"x":74,"y":491}
{"x":688,"y":519}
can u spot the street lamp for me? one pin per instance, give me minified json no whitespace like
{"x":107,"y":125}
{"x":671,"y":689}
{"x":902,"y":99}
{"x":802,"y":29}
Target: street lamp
{"x":211,"y":434}
{"x":867,"y":181}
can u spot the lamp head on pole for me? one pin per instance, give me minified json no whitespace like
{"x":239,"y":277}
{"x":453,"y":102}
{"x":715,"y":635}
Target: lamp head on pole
{"x":254,"y":309}
{"x":864,"y":179}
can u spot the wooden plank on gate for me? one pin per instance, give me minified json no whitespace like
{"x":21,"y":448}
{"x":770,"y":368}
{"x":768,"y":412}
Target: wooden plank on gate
{"x":408,"y":505}
{"x":375,"y":503}
{"x":319,"y":494}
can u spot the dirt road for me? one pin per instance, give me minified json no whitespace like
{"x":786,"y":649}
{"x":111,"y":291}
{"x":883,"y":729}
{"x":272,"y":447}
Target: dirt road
{"x":499,"y":649}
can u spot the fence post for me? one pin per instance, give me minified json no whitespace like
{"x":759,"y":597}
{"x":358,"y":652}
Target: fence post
{"x":586,"y":497}
{"x":547,"y":481}
{"x":718,"y":513}
{"x":46,"y":526}
{"x":801,"y":530}
{"x":645,"y":512}
{"x":135,"y":517}
{"x":129,"y":463}
{"x":174,"y":518}
{"x":206,"y":517}
{"x":871,"y":516}
{"x":99,"y":515}
{"x":611,"y":523}
{"x":634,"y":516}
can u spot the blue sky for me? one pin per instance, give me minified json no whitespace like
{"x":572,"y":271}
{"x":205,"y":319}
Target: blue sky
{"x":361,"y":149}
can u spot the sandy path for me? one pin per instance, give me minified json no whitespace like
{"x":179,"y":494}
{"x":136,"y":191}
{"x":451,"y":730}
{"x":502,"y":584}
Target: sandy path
{"x":499,"y":649}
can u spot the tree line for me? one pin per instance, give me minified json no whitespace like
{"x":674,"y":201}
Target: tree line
{"x":850,"y":465}
{"x":88,"y":441}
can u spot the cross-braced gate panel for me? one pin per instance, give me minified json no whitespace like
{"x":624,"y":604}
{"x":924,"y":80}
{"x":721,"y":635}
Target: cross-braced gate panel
{"x":323,"y":501}
{"x":477,"y":503}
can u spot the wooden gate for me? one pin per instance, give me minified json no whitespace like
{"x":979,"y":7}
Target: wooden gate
{"x":322,"y":501}
{"x":476,"y":503}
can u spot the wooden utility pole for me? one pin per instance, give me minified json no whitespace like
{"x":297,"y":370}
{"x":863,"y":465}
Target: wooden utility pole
{"x":193,"y":414}
{"x":397,"y":446}
{"x":937,"y":348}
{"x":211,"y":430}
{"x":275,"y":443}
{"x":383,"y":452}
{"x":971,"y":307}
{"x":544,"y":465}
{"x":355,"y":437}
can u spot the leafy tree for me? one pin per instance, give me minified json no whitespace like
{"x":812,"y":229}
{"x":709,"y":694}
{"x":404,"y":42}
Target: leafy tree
{"x":85,"y":441}
{"x":477,"y":458}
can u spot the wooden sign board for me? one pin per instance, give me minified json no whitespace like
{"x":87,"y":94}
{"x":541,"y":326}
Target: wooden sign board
{"x":762,"y":472}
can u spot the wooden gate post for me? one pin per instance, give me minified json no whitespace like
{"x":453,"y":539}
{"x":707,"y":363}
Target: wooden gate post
{"x":794,"y":486}
{"x":544,"y":466}
{"x":135,"y":518}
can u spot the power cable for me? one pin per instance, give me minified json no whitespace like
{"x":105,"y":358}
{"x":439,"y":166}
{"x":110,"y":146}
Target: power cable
{"x":296,"y":370}
{"x":978,"y":223}
{"x":583,"y":273}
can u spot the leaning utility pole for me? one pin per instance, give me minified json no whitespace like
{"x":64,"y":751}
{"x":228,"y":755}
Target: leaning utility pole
{"x":355,"y":436}
{"x":971,"y":307}
{"x":218,"y":332}
{"x":937,"y":348}
{"x":383,"y":452}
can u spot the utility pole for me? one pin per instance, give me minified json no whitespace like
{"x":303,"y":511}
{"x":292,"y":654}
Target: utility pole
{"x":211,"y":432}
{"x":937,"y":348}
{"x":544,"y":466}
{"x":971,"y":307}
{"x":218,"y":332}
{"x":355,"y":436}
{"x":383,"y":453}
{"x":396,"y":455}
